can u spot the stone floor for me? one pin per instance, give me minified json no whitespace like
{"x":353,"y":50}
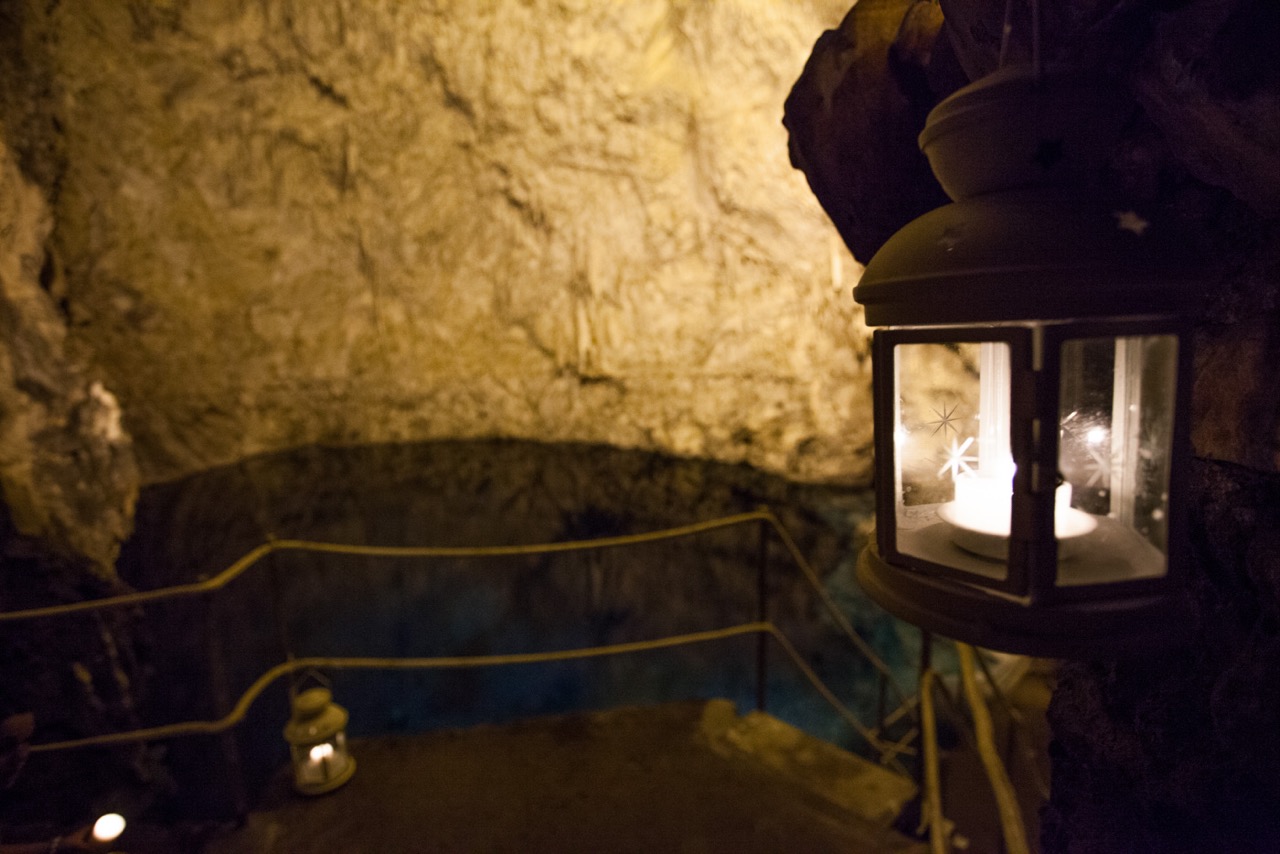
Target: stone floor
{"x":685,"y":777}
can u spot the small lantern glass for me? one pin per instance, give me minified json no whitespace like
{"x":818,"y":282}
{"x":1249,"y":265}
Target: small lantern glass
{"x":317,"y":738}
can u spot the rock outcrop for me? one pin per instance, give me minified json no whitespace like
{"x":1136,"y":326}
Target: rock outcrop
{"x":66,"y":463}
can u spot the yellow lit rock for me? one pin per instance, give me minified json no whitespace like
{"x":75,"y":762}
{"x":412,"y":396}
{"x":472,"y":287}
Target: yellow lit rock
{"x":363,"y":222}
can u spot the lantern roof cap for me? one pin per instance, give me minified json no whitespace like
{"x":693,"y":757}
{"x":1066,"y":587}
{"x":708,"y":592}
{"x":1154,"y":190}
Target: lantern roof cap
{"x":1028,"y":254}
{"x":1019,"y":127}
{"x":315,"y":717}
{"x":1024,"y":154}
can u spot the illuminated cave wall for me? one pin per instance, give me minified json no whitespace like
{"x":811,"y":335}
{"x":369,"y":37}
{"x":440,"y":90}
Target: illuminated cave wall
{"x":284,"y":223}
{"x":67,"y":472}
{"x":275,"y":224}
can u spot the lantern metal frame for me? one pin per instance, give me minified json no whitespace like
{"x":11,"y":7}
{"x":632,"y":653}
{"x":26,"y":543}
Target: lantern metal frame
{"x":1028,"y":610}
{"x":1028,"y":258}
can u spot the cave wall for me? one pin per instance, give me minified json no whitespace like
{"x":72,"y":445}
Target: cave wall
{"x":228,"y":228}
{"x":284,"y":223}
{"x":67,"y":470}
{"x":1174,"y":752}
{"x":235,"y":227}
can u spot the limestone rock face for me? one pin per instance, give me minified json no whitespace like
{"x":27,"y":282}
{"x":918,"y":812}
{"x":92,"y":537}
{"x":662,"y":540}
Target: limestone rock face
{"x":286,"y":223}
{"x":66,"y":464}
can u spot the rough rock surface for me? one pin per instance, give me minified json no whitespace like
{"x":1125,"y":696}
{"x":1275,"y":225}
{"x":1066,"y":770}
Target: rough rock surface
{"x":287,"y":223}
{"x":69,"y":483}
{"x":279,"y":223}
{"x":66,"y":465}
{"x":854,"y":115}
{"x":1177,"y":753}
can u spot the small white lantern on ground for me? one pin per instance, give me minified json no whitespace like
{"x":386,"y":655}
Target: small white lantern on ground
{"x":318,"y":742}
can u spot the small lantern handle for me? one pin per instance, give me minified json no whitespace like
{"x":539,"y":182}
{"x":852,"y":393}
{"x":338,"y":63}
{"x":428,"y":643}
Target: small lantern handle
{"x":297,"y":685}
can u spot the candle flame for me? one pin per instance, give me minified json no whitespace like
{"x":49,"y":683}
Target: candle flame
{"x":108,"y":827}
{"x":321,"y":751}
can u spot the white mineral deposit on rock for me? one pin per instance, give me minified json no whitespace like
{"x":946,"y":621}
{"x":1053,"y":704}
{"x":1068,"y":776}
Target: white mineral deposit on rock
{"x":105,"y":414}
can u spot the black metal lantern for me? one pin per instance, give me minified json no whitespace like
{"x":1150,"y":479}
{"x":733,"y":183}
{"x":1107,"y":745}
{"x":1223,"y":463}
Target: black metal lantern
{"x":1031,"y":389}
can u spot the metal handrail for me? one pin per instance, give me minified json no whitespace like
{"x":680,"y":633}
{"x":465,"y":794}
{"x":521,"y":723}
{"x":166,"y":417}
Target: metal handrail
{"x":762,"y":627}
{"x":889,"y":752}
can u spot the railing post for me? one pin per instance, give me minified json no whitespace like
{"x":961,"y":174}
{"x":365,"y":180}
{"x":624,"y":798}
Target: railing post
{"x":926,"y":664}
{"x":278,"y":607}
{"x":219,"y":688}
{"x":883,"y":683}
{"x":762,"y":616}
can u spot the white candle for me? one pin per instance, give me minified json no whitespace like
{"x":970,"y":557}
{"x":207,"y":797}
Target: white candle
{"x":320,"y":755}
{"x":983,"y":505}
{"x":994,"y":397}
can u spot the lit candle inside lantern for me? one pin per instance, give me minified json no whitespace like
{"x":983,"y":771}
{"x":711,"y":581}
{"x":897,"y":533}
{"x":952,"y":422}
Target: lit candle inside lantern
{"x":984,"y":498}
{"x":983,"y":502}
{"x":318,"y":742}
{"x":108,"y":827}
{"x":983,"y":505}
{"x":320,"y":756}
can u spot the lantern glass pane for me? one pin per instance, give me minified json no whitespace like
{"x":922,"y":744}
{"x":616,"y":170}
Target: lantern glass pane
{"x":953,"y":469}
{"x":1114,"y":455}
{"x":317,"y":764}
